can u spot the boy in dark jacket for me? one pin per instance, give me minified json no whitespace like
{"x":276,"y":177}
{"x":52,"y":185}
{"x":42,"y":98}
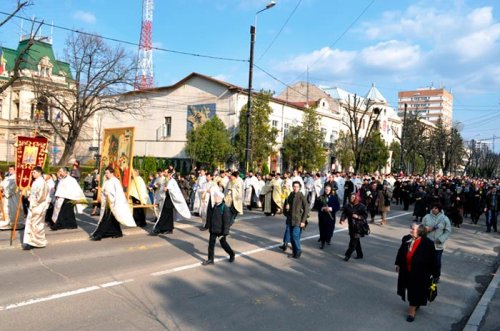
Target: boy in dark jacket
{"x":219,"y":225}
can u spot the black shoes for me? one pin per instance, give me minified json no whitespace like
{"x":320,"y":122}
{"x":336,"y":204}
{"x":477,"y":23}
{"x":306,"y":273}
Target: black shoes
{"x":203,"y":229}
{"x":347,"y":258}
{"x":153,"y":233}
{"x":283,"y":247}
{"x":95,"y":238}
{"x":296,"y":256}
{"x":231,"y":258}
{"x":208,"y":262}
{"x":410,"y":318}
{"x":117,"y":236}
{"x":27,"y":247}
{"x":322,"y":245}
{"x":358,"y":257}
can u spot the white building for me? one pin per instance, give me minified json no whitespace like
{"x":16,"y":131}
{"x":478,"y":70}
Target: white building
{"x":170,"y":112}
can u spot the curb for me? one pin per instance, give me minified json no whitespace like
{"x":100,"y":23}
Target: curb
{"x":479,"y":312}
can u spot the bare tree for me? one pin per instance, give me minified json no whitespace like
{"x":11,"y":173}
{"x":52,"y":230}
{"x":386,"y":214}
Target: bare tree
{"x":362,"y":119}
{"x":101,"y":74}
{"x":15,"y":74}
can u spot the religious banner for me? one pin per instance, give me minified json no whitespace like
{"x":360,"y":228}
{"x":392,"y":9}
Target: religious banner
{"x":118,"y":152}
{"x":30,"y":152}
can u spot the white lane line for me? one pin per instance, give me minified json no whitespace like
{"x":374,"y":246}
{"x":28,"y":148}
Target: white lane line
{"x":63,"y":294}
{"x":50,"y":297}
{"x":248,"y":253}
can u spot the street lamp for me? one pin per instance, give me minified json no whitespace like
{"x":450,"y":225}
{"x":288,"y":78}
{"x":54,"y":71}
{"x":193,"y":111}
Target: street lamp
{"x":250,"y":78}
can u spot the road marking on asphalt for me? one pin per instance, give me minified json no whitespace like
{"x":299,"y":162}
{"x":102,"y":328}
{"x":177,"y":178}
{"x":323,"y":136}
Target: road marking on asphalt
{"x":159,"y":273}
{"x":63,"y":294}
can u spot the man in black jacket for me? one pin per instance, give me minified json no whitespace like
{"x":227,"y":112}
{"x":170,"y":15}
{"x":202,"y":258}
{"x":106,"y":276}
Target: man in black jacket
{"x":296,"y":210}
{"x":219,"y":224}
{"x":355,"y":212}
{"x":491,"y":209}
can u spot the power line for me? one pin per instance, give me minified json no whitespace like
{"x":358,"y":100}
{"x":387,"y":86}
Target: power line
{"x":279,"y":32}
{"x":127,"y":42}
{"x":341,"y":36}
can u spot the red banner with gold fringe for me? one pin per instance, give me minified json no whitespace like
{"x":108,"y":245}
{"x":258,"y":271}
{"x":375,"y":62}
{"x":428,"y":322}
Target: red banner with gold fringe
{"x":30,"y":152}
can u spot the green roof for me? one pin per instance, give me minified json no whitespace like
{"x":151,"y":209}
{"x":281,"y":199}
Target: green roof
{"x":37,"y":51}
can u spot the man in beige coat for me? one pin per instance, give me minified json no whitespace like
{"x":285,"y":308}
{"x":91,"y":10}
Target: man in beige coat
{"x":234,"y":194}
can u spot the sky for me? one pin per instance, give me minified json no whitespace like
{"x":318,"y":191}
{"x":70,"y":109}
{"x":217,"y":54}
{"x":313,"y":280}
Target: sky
{"x":394,"y":44}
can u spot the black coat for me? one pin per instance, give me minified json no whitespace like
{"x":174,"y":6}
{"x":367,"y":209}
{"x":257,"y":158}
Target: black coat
{"x":423,"y":266}
{"x":350,"y":210}
{"x":221,"y":220}
{"x":420,"y":204}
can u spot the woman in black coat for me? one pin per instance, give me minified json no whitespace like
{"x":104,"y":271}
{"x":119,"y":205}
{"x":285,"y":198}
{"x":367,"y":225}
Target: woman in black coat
{"x":415,"y":263}
{"x":420,"y":204}
{"x":219,"y":224}
{"x":327,"y":205}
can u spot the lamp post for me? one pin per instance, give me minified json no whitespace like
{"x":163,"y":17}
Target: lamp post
{"x":250,"y":78}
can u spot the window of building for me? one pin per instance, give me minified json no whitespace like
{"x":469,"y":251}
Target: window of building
{"x":168,"y":126}
{"x":275,"y":124}
{"x":32,"y":113}
{"x":17,"y":109}
{"x":324,"y":132}
{"x":285,"y":129}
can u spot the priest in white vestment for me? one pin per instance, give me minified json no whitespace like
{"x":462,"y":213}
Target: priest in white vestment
{"x":173,"y":208}
{"x":158,"y":194}
{"x":10,"y":199}
{"x":115,"y":209}
{"x":39,"y":199}
{"x":196,"y":187}
{"x":68,"y":193}
{"x":140,"y":196}
{"x":207,"y":200}
{"x":252,"y":191}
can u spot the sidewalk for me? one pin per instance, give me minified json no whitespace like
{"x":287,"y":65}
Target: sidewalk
{"x":485,"y":316}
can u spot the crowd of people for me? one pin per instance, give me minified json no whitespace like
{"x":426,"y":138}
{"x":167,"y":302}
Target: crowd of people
{"x":217,"y":198}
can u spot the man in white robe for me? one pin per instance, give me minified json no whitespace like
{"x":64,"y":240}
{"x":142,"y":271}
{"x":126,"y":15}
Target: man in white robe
{"x":158,"y":193}
{"x":339,"y":179}
{"x":174,"y":206}
{"x":207,"y":201}
{"x":298,"y":178}
{"x":197,"y":196}
{"x":10,"y":199}
{"x":317,"y":187}
{"x":234,"y":194}
{"x":139,"y":195}
{"x":68,"y":193}
{"x":39,"y":199}
{"x":115,"y":209}
{"x":252,"y":191}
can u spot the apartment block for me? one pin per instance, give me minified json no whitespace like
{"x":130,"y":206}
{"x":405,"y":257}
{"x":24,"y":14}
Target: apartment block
{"x":430,"y":103}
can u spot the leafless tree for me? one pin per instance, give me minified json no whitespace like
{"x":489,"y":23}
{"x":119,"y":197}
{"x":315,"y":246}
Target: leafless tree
{"x":101,"y":74}
{"x":15,"y":74}
{"x":361,"y":119}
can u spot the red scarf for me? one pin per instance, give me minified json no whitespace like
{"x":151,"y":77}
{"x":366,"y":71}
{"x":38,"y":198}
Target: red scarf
{"x":411,"y":251}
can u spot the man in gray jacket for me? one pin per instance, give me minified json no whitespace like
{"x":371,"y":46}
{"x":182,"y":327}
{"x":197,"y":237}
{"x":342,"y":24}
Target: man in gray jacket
{"x":296,"y":211}
{"x":438,"y":228}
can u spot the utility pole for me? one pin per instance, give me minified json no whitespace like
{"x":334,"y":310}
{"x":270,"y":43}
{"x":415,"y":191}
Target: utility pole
{"x":403,"y":138}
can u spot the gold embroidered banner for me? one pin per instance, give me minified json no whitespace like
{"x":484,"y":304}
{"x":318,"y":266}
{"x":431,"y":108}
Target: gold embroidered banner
{"x":30,"y":152}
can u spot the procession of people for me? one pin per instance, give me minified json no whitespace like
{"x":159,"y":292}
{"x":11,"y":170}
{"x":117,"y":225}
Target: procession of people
{"x":219,"y":197}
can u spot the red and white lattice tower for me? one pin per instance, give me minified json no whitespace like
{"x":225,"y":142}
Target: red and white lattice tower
{"x":144,"y":78}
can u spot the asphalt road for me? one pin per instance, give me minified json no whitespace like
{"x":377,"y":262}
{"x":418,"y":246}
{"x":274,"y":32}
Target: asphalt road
{"x":157,"y":283}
